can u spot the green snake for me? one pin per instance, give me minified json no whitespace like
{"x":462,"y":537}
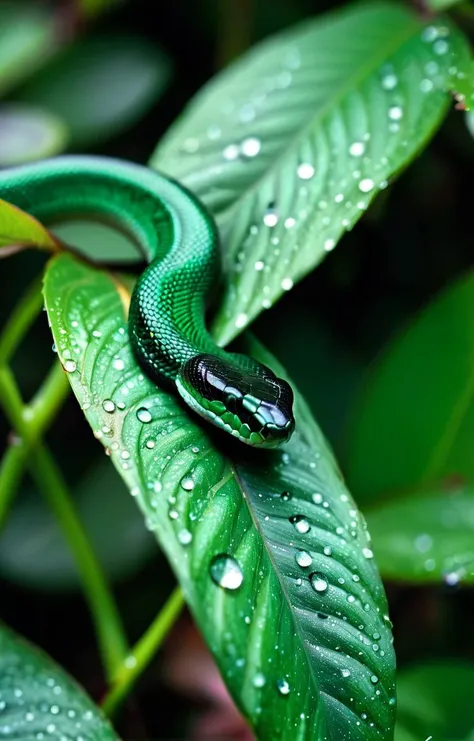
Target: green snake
{"x":167,"y":330}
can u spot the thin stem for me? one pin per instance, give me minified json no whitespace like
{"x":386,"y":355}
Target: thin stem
{"x":143,"y":652}
{"x":109,"y":629}
{"x":11,"y":471}
{"x":47,"y":401}
{"x":235,"y":30}
{"x":21,"y":319}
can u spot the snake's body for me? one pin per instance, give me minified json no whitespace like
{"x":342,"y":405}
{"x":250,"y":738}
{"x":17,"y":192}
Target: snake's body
{"x":167,"y":313}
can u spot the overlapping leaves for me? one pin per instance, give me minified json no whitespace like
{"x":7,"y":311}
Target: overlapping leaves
{"x":270,"y":551}
{"x":289,"y":146}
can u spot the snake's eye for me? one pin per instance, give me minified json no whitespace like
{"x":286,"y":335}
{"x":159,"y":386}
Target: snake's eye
{"x":253,"y":405}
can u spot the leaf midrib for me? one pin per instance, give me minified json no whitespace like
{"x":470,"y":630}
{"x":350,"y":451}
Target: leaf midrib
{"x":353,"y":83}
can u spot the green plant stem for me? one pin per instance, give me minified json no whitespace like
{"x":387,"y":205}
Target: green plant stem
{"x":21,"y":319}
{"x":143,"y":652}
{"x":47,"y":401}
{"x":109,"y":629}
{"x":11,"y":471}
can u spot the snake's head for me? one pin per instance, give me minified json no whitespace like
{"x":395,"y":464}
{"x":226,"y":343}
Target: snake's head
{"x":255,"y":407}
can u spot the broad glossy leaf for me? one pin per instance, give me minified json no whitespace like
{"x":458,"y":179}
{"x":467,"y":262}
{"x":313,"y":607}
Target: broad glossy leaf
{"x":114,"y":79}
{"x":271,"y":553}
{"x":29,"y":133}
{"x":39,"y":700}
{"x":33,"y":551}
{"x":425,"y":538}
{"x":435,"y":699}
{"x":27,"y":38}
{"x":414,"y":421}
{"x":18,"y":229}
{"x":289,"y":145}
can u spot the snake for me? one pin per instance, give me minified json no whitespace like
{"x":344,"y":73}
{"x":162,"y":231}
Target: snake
{"x":178,"y":239}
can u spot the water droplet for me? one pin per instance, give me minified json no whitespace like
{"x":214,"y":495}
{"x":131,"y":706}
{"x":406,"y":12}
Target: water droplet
{"x":317,"y":498}
{"x":69,"y":366}
{"x":130,"y":661}
{"x":389,"y":82}
{"x":300,"y":523}
{"x":286,"y":496}
{"x":271,"y":217}
{"x":290,"y":222}
{"x":283,"y":687}
{"x":430,"y":33}
{"x":226,"y":572}
{"x":125,"y":455}
{"x":367,"y":553}
{"x":259,"y":680}
{"x":357,"y":149}
{"x":231,"y":152}
{"x":305,"y":171}
{"x":251,"y":147}
{"x":241,"y":320}
{"x":374,"y":679}
{"x":426,"y":86}
{"x":329,"y":245}
{"x":345,"y":673}
{"x":259,"y":265}
{"x":303,"y":559}
{"x":440,"y":47}
{"x":144,"y":415}
{"x":118,"y":364}
{"x":150,"y":444}
{"x":185,"y":537}
{"x":287,"y":284}
{"x":173,"y":514}
{"x":395,"y":113}
{"x":188,"y":483}
{"x":327,"y":550}
{"x":319,"y":582}
{"x":423,"y":542}
{"x":366,"y":185}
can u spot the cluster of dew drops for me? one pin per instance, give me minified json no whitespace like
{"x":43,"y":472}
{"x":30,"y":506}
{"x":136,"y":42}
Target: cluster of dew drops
{"x":346,"y":202}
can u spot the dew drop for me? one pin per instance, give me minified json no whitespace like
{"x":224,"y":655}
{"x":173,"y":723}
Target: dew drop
{"x":69,"y":366}
{"x":374,"y":679}
{"x":317,"y":498}
{"x":251,"y":147}
{"x":185,"y":537}
{"x":259,"y":680}
{"x":426,"y":86}
{"x":366,"y":185}
{"x":226,"y":572}
{"x":395,"y":113}
{"x":259,"y":265}
{"x":423,"y":542}
{"x":300,"y":523}
{"x":329,"y":245}
{"x":345,"y":673}
{"x":286,"y":496}
{"x":440,"y":47}
{"x":150,"y":444}
{"x":367,"y":553}
{"x":144,"y":415}
{"x":283,"y":687}
{"x":241,"y":320}
{"x":271,"y":217}
{"x":305,"y":171}
{"x":287,"y":284}
{"x":389,"y":82}
{"x":231,"y":152}
{"x":290,"y":222}
{"x":357,"y":149}
{"x":303,"y":559}
{"x":188,"y":483}
{"x":319,"y":582}
{"x":327,"y":550}
{"x":118,"y":364}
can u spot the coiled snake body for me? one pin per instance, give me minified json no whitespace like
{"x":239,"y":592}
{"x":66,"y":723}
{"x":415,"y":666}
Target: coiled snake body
{"x":167,"y":313}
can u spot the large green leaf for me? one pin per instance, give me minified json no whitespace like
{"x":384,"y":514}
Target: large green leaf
{"x":289,"y":145}
{"x":273,"y":558}
{"x":414,"y":420}
{"x":115,"y":79}
{"x":38,"y":700}
{"x":435,"y":699}
{"x":27,"y":38}
{"x":425,"y":538}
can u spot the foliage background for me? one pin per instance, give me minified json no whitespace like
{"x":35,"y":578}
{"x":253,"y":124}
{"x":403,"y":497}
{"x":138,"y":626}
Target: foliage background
{"x":413,"y":242}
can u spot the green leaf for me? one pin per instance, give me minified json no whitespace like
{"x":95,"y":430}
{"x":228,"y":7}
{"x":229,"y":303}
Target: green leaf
{"x":414,"y":419}
{"x":32,"y":547}
{"x":425,"y":538}
{"x":436,"y":699}
{"x":18,"y":229}
{"x":289,"y":145}
{"x":27,"y":38}
{"x":273,"y":558}
{"x":29,"y":133}
{"x":39,"y":700}
{"x":115,"y":79}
